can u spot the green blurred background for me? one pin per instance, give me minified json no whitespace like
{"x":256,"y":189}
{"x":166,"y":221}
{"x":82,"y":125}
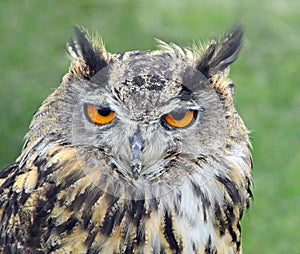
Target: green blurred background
{"x":33,"y":35}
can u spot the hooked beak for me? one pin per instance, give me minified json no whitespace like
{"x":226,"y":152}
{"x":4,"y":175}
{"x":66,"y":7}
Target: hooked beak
{"x":136,"y":153}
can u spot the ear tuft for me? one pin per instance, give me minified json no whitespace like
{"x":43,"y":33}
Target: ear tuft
{"x":219,"y":55}
{"x":89,"y":56}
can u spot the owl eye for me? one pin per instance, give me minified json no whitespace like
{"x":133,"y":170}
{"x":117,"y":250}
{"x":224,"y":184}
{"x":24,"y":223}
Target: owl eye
{"x":180,"y":119}
{"x":99,"y":115}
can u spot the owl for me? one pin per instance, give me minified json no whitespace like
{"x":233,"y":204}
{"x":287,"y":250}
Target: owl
{"x":134,"y":152}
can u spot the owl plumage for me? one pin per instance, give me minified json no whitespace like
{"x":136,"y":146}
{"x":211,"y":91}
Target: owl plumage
{"x":135,"y":152}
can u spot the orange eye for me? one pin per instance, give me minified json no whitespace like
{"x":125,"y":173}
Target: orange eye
{"x":180,"y":119}
{"x":98,"y":115}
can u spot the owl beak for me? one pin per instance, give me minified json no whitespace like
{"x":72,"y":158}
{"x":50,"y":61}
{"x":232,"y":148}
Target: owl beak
{"x":136,"y":143}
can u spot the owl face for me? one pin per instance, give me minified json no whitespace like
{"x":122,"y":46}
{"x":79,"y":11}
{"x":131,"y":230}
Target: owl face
{"x":144,"y":109}
{"x":152,"y":116}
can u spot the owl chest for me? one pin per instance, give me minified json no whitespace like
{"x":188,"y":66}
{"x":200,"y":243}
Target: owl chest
{"x":135,"y":227}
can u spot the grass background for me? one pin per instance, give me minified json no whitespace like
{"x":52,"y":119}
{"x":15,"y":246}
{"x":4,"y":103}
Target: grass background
{"x":33,"y":34}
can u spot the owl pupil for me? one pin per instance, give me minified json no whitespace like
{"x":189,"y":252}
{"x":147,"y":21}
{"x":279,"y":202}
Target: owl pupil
{"x":178,"y":115}
{"x":104,"y":111}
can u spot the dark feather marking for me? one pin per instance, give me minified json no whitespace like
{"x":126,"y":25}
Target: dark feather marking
{"x":248,"y":186}
{"x":44,"y":170}
{"x":219,"y":218}
{"x":113,"y":216}
{"x":77,"y":202}
{"x":138,"y":80}
{"x":10,"y":179}
{"x":203,"y":65}
{"x":238,"y":242}
{"x":209,"y":249}
{"x":185,"y":93}
{"x":230,"y":47}
{"x":111,"y":220}
{"x":8,"y":182}
{"x":230,"y":217}
{"x":140,"y":234}
{"x":205,"y":205}
{"x":238,"y":245}
{"x":196,"y":189}
{"x":156,"y":79}
{"x":68,"y":179}
{"x":233,"y":234}
{"x":137,"y":210}
{"x":61,"y":200}
{"x":51,"y":191}
{"x":169,"y":234}
{"x":15,"y":206}
{"x":43,"y":208}
{"x":192,"y":81}
{"x":39,"y":162}
{"x":67,"y":226}
{"x":92,"y":57}
{"x":32,"y":229}
{"x":37,"y":146}
{"x":23,"y":197}
{"x":90,"y":239}
{"x":162,"y":250}
{"x":204,"y":199}
{"x":129,"y":248}
{"x":223,"y":163}
{"x":91,"y":197}
{"x":232,"y":190}
{"x":208,"y":246}
{"x":7,"y":213}
{"x":93,"y":251}
{"x":86,"y":218}
{"x":6,"y":171}
{"x":194,"y":247}
{"x":177,"y":203}
{"x":154,"y":203}
{"x":220,"y":55}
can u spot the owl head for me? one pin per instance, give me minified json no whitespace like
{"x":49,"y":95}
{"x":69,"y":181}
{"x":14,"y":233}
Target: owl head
{"x":145,"y":118}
